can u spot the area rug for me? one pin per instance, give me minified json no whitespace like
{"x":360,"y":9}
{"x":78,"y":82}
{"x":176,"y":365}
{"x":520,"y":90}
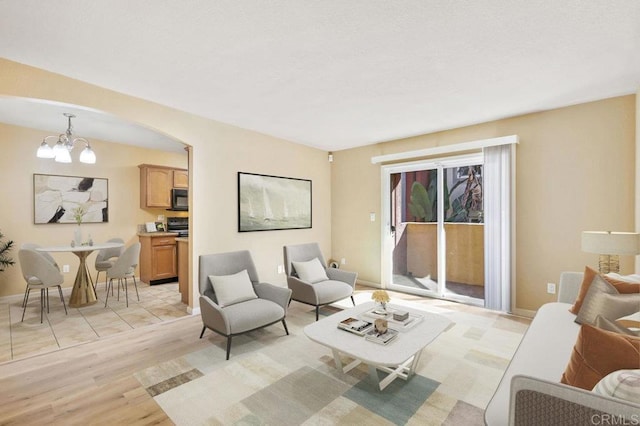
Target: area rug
{"x":275,"y":379}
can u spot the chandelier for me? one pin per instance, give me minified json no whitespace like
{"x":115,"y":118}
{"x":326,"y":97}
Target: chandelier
{"x":61,"y":151}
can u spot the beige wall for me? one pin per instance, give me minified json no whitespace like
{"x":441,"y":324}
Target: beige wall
{"x":219,"y":152}
{"x":575,"y":172}
{"x":116,"y":162}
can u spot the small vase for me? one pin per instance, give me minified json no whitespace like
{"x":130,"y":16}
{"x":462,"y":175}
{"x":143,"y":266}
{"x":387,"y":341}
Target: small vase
{"x":381,"y":308}
{"x":77,"y":236}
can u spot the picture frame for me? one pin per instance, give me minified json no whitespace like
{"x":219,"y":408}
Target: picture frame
{"x":61,"y":199}
{"x":273,"y":203}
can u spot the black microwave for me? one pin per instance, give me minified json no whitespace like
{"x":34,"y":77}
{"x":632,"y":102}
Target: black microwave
{"x":179,"y":199}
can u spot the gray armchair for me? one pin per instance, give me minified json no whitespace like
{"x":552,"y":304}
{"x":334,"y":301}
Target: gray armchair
{"x":268,"y":308}
{"x":340,"y":284}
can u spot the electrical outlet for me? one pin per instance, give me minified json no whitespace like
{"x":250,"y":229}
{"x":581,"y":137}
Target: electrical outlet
{"x":281,"y":269}
{"x":551,"y":288}
{"x":372,"y":217}
{"x":343,"y":261}
{"x":65,"y":268}
{"x":160,"y":218}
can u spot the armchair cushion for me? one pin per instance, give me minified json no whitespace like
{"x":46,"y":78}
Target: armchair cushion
{"x":252,"y":314}
{"x":232,"y":289}
{"x":330,"y":291}
{"x":311,"y":271}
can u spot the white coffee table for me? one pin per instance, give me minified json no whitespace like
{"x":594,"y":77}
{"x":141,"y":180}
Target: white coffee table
{"x":399,"y":358}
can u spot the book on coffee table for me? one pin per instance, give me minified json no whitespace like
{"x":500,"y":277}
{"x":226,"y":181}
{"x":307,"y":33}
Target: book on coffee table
{"x":355,"y":325}
{"x":381,"y":338}
{"x":401,"y":325}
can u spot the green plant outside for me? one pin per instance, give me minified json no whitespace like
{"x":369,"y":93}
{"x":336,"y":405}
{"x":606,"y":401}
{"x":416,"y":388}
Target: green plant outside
{"x":423,"y":203}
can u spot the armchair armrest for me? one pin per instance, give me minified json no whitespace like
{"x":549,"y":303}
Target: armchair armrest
{"x":279,"y":295}
{"x":213,"y":316}
{"x":303,"y":289}
{"x":344,"y":276}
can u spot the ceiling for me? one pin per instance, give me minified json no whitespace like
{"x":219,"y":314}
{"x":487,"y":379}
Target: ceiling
{"x":332,"y":74}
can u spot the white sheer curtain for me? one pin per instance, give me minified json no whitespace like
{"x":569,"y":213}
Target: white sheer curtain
{"x":499,"y":205}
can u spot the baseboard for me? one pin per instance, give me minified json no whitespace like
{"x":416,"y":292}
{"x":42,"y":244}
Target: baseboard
{"x":193,"y":311}
{"x":524,"y":313}
{"x":368,"y":283}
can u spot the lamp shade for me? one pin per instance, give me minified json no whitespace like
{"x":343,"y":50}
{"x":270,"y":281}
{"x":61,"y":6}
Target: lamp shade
{"x":45,"y":151}
{"x":88,"y":156}
{"x":611,"y":243}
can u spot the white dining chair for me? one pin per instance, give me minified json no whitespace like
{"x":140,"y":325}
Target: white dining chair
{"x":34,"y":246}
{"x":40,"y":273}
{"x":106,"y":258}
{"x":123,"y":268}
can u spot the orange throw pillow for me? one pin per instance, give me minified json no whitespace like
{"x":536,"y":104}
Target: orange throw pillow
{"x":597,"y":353}
{"x":623,"y":287}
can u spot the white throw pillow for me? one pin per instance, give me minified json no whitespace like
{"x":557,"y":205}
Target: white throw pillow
{"x":311,"y":271}
{"x":623,"y":384}
{"x":231,"y":289}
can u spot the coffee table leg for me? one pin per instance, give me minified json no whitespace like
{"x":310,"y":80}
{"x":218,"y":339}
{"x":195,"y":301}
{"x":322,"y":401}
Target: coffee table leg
{"x":373,"y":373}
{"x":414,"y":364}
{"x":336,"y":358}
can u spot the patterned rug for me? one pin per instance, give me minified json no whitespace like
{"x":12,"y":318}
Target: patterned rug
{"x":275,"y":379}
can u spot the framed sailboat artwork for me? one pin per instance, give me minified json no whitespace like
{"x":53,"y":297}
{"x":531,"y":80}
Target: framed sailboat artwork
{"x":273,"y":203}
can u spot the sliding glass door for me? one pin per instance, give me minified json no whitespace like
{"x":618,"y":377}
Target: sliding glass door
{"x":434,"y":244}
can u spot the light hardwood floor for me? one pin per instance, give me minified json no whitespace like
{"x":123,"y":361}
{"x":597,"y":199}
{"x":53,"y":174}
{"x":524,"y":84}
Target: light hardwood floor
{"x":94,"y":383}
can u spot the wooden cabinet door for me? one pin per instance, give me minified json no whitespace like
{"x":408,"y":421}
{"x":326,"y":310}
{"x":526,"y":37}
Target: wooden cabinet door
{"x":180,"y":179}
{"x":163,"y":264}
{"x":157,"y":187}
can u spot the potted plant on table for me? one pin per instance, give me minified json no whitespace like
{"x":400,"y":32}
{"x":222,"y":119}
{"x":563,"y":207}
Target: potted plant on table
{"x":382,"y":298}
{"x":78,"y":214}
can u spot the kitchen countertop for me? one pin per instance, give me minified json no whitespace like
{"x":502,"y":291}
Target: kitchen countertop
{"x":158,"y":234}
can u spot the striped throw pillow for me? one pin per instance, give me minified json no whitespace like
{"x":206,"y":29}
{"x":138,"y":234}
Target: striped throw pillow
{"x":622,"y":384}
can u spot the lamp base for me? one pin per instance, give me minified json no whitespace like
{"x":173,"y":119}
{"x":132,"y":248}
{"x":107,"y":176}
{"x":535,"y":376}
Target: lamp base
{"x":609,"y":263}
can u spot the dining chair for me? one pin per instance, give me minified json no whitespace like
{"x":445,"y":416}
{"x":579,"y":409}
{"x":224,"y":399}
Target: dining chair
{"x":123,"y":269}
{"x":34,"y":246}
{"x":39,"y":273}
{"x":106,"y":258}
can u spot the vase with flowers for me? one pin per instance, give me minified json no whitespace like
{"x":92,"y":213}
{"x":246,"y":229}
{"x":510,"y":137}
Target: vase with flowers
{"x":78,"y":214}
{"x":382,"y":298}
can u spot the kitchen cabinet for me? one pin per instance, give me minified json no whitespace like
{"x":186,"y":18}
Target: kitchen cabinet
{"x":183,"y":269}
{"x":180,"y":178}
{"x":158,"y":257}
{"x":156,"y":183}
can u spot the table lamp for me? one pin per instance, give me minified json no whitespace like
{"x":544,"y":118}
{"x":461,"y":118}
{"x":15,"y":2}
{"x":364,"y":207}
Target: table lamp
{"x":609,"y":245}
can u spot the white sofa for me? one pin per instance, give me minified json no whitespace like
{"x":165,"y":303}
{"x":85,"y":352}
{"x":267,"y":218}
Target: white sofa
{"x":537,"y":367}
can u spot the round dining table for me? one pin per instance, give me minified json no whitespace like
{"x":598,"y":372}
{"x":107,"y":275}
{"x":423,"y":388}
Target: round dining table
{"x":83,"y":293}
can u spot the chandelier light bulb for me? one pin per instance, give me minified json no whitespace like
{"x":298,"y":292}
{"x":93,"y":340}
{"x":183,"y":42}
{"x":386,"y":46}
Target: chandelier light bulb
{"x":63,"y":156}
{"x":87,"y":156}
{"x":45,"y":151}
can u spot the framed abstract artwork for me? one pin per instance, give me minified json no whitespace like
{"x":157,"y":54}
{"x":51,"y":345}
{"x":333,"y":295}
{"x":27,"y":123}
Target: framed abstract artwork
{"x":70,"y":199}
{"x":271,"y":203}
